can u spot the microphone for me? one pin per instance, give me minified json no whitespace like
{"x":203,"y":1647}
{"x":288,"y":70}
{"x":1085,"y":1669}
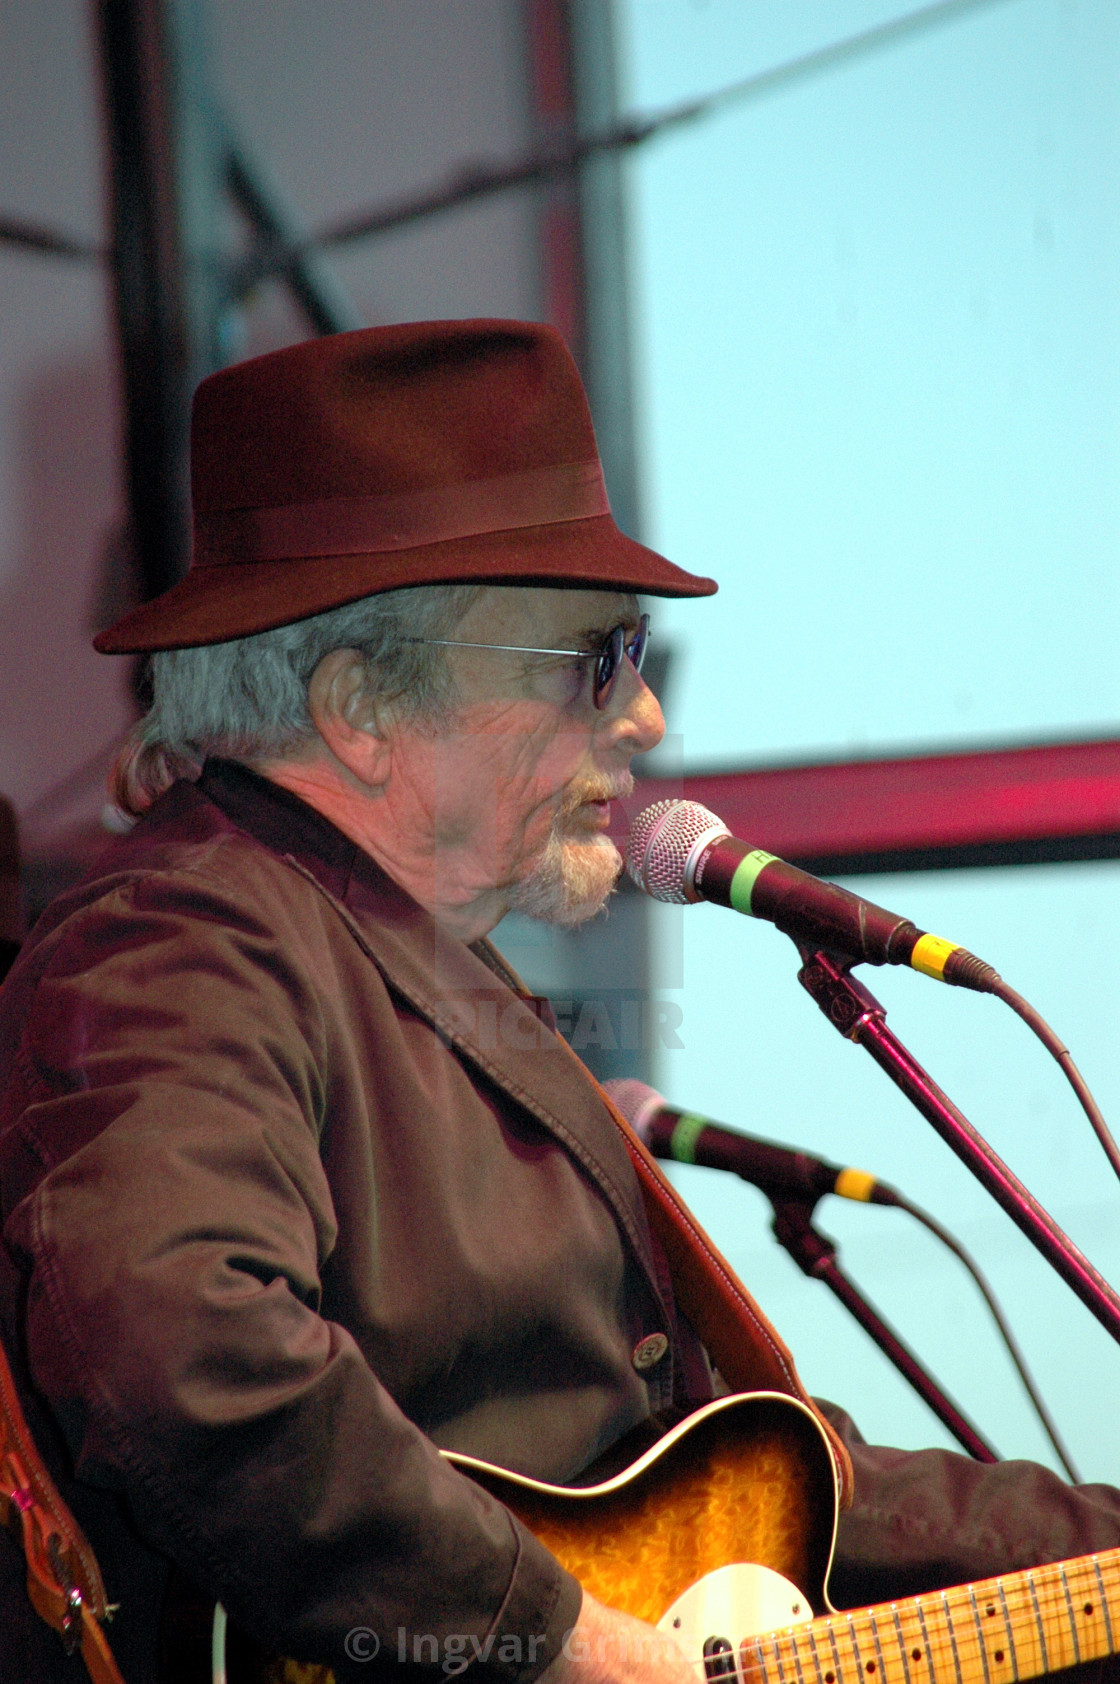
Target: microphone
{"x":781,"y":1173}
{"x":680,"y":852}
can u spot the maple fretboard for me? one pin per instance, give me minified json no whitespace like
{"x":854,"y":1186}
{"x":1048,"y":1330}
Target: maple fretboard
{"x":1017,"y":1626}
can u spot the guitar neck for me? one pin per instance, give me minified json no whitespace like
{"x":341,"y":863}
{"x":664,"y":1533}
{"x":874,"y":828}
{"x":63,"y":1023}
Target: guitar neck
{"x":997,"y":1631}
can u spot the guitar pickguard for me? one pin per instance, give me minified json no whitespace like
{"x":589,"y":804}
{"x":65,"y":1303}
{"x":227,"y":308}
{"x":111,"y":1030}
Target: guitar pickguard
{"x":731,"y":1603}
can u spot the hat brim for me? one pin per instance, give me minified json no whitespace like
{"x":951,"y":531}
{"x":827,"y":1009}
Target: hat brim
{"x":218,"y":603}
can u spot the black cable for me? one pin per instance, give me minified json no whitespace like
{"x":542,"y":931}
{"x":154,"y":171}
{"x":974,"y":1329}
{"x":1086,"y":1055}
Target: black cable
{"x":1014,"y":1350}
{"x":1058,"y":1050}
{"x":480,"y":180}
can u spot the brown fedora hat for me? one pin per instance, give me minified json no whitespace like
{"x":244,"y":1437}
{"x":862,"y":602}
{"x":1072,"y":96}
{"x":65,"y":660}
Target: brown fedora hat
{"x":433,"y":452}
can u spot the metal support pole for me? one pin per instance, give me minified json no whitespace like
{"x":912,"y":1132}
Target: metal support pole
{"x":854,"y":1011}
{"x":164,"y":182}
{"x":608,"y":368}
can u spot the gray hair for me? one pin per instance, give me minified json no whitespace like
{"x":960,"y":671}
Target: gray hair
{"x":247,"y":699}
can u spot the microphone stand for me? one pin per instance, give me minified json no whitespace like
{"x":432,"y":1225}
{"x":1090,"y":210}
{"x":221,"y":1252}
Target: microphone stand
{"x":815,"y":1255}
{"x":854,"y":1011}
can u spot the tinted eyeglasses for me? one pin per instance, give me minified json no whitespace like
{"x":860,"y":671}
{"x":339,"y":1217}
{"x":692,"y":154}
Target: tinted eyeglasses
{"x":607,"y":658}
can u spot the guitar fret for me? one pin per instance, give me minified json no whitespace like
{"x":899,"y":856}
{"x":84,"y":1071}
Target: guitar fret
{"x":1072,"y":1615}
{"x":980,"y":1635}
{"x":874,"y":1624}
{"x":925,"y":1639}
{"x":901,"y":1642}
{"x":835,"y":1652}
{"x":1038,"y":1622}
{"x":816,"y":1652}
{"x":916,"y":1640}
{"x":1104,"y":1604}
{"x":991,"y":1649}
{"x":795,"y":1649}
{"x":776,"y":1646}
{"x":1087,"y":1607}
{"x":1030,"y":1640}
{"x":1010,"y":1629}
{"x":977,"y":1636}
{"x":952,"y":1636}
{"x":1032,"y":1654}
{"x":854,"y":1640}
{"x":841,"y":1667}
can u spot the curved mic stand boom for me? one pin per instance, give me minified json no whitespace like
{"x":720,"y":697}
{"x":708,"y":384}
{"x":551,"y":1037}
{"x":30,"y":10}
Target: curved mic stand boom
{"x":854,"y":1011}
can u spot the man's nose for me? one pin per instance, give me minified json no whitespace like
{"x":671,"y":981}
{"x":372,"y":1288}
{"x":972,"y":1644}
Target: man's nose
{"x":636,"y":721}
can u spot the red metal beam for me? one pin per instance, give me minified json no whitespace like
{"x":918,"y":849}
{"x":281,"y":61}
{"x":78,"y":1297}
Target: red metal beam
{"x":994,"y":807}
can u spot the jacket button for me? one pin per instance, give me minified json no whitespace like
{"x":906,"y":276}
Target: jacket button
{"x":648,"y":1352}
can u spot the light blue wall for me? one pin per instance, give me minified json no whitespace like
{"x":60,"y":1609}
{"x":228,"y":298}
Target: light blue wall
{"x":878,"y":349}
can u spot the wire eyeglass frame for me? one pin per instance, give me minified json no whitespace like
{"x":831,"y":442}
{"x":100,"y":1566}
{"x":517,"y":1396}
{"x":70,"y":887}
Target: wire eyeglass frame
{"x":609,"y":654}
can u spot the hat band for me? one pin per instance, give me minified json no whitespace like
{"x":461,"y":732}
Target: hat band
{"x":355,"y":525}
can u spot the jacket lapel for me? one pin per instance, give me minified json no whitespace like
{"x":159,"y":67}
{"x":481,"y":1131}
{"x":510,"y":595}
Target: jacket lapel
{"x":502,"y":1032}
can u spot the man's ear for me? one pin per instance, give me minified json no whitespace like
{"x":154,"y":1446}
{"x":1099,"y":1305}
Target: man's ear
{"x":345,"y":716}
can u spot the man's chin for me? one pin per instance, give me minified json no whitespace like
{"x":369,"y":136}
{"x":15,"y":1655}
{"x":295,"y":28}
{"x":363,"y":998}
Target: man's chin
{"x":571,"y":883}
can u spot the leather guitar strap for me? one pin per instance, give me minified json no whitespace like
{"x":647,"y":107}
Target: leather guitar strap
{"x":63,"y":1578}
{"x":741,"y":1342}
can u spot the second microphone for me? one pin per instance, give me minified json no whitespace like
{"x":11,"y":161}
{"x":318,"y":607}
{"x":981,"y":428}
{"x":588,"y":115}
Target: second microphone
{"x":779,"y":1171}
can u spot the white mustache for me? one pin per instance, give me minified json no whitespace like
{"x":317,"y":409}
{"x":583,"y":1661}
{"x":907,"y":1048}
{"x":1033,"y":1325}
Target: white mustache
{"x":596,"y":789}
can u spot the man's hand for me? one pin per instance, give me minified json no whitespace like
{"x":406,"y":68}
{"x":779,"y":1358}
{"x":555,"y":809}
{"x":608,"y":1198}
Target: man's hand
{"x":606,"y":1647}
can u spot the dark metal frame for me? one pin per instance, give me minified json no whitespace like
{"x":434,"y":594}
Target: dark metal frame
{"x":173,"y":161}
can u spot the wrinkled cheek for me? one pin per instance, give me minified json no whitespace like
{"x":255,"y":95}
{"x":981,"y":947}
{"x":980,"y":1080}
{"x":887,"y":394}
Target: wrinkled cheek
{"x":503,"y":842}
{"x":501,"y":795}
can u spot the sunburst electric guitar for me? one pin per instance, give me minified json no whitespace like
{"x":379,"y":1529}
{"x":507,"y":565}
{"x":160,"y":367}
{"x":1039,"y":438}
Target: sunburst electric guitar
{"x":722,"y":1534}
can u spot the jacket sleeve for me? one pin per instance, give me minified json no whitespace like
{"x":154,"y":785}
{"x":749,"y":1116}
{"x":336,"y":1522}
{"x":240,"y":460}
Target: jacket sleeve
{"x":164,"y":1192}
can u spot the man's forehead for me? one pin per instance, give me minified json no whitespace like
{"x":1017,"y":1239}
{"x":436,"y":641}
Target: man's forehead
{"x":546,"y":610}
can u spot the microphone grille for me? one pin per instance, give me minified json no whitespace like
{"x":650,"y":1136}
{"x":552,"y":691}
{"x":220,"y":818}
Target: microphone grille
{"x":665,"y":841}
{"x":637,"y":1101}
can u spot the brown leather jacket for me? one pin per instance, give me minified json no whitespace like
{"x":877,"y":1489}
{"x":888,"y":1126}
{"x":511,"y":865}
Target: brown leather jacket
{"x":294,"y":1191}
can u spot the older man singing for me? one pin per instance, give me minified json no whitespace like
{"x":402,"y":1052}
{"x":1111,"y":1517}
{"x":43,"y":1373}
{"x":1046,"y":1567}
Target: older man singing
{"x":299,"y":1186}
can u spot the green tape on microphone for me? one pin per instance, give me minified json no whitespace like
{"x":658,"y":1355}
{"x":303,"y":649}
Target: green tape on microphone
{"x":682,"y":1141}
{"x":746,"y":876}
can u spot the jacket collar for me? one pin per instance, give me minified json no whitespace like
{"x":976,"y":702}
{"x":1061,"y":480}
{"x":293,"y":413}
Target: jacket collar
{"x":279,"y":819}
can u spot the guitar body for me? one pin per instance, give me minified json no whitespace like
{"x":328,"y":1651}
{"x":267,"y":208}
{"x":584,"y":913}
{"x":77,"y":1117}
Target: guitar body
{"x":748,"y":1478}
